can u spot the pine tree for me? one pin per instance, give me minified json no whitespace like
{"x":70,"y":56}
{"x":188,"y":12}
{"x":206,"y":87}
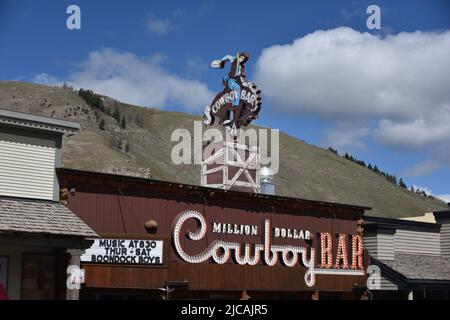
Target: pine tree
{"x":402,"y":184}
{"x":394,"y":178}
{"x":92,"y":99}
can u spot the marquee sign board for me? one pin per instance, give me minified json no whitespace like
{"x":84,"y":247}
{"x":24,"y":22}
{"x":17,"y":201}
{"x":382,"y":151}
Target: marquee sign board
{"x":125,"y":251}
{"x":240,"y":101}
{"x":332,"y":261}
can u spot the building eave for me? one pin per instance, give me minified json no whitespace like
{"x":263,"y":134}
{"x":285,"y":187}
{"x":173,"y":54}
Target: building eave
{"x":209,"y":190}
{"x":374,"y":223}
{"x":34,"y":122}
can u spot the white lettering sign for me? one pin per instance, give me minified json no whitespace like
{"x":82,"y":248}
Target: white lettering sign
{"x":240,"y":229}
{"x":124,"y":251}
{"x":221,"y":251}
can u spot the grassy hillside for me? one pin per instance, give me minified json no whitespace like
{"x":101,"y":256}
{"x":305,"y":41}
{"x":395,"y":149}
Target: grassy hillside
{"x":143,"y":148}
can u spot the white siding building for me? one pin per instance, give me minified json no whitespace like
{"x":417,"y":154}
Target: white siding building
{"x":38,"y":234}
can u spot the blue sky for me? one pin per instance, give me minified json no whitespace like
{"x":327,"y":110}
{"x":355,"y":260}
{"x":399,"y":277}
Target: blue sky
{"x":381,"y":95}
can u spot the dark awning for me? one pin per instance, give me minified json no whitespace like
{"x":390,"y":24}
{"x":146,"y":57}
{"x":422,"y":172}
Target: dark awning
{"x":41,"y":217}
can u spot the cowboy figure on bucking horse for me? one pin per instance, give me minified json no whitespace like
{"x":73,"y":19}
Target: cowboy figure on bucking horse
{"x":239,"y":103}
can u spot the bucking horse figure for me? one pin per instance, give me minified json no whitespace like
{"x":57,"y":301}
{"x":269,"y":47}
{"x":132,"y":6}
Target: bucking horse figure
{"x":239,"y":102}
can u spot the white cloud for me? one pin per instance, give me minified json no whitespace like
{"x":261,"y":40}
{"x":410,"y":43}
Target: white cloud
{"x":422,"y":169}
{"x":46,"y":79}
{"x":426,"y":129}
{"x":350,"y":14}
{"x":346,"y":73}
{"x":444,"y":197}
{"x":397,"y":84}
{"x":195,"y":65}
{"x":344,"y":136}
{"x":426,"y":189}
{"x":141,"y":81}
{"x":157,"y":25}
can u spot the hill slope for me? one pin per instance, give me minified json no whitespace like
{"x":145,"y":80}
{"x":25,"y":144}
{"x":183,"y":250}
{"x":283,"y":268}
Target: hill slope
{"x":144,"y":147}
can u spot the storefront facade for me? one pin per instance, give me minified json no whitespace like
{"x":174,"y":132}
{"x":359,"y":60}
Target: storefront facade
{"x":209,"y":243}
{"x":39,"y":236}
